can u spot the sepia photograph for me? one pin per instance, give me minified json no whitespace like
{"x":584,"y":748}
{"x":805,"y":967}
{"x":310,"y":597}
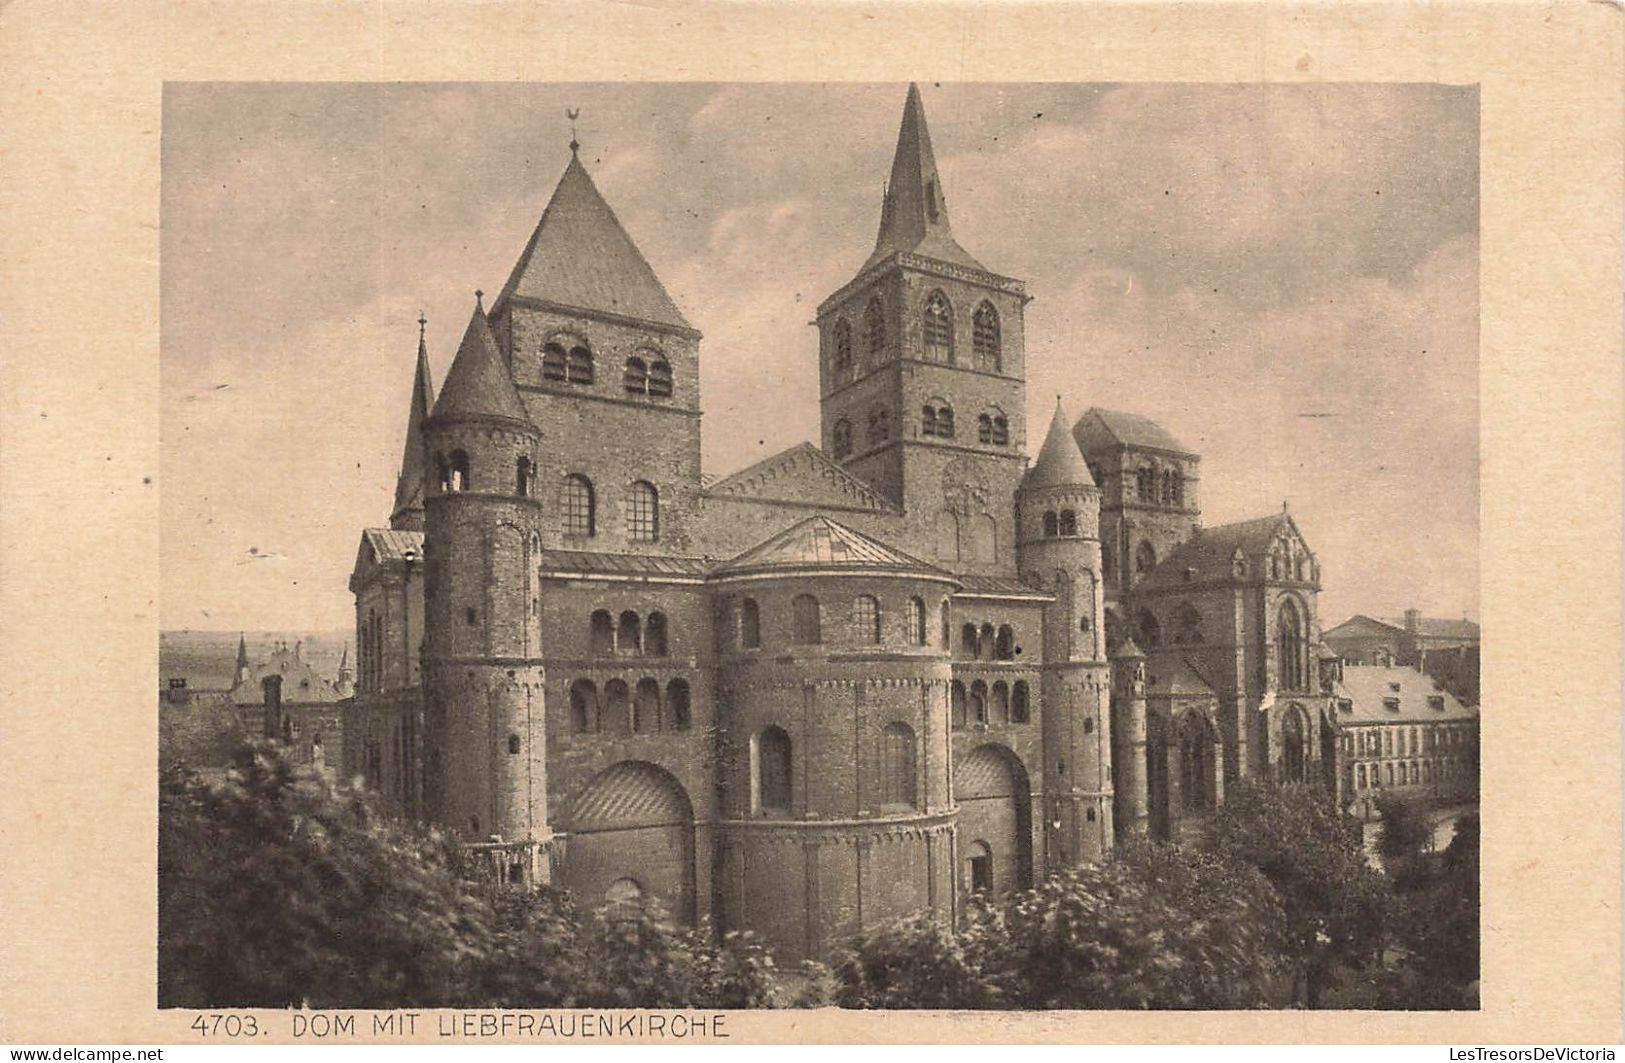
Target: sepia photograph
{"x":907,"y":545}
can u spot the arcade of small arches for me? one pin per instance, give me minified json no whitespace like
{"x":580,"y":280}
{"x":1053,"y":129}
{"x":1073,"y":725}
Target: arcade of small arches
{"x":628,"y":635}
{"x":979,"y":704}
{"x":1159,"y":486}
{"x":622,"y":708}
{"x":987,"y":643}
{"x":866,"y":621}
{"x":568,"y":359}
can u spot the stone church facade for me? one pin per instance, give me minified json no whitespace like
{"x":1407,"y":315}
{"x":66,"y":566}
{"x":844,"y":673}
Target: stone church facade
{"x":850,"y":682}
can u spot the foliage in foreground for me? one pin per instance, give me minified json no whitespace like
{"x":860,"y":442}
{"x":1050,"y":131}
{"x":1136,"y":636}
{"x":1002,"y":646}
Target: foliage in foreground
{"x":277,"y":888}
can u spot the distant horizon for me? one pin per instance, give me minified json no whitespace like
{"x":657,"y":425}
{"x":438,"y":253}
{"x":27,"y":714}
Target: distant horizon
{"x":1284,"y":277}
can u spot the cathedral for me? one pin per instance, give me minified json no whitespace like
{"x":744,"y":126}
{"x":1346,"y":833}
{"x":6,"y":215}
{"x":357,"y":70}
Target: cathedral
{"x":853,"y":681}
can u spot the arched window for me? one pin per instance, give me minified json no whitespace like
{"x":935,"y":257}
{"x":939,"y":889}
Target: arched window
{"x":937,"y":419}
{"x":629,"y":635}
{"x":897,"y":774}
{"x":1145,"y":484}
{"x":865,"y":619}
{"x":618,"y":706}
{"x":553,"y":362}
{"x":1295,"y":744}
{"x":1069,"y":524}
{"x":984,"y":428}
{"x":523,"y":476}
{"x":1196,"y":763}
{"x":750,"y":624}
{"x":513,"y":744}
{"x":945,"y":421}
{"x":969,"y":641}
{"x":1149,"y":630}
{"x":773,"y":766}
{"x":841,"y":358}
{"x":654,"y":635}
{"x":646,"y":708}
{"x":985,"y":338}
{"x":1019,"y":711}
{"x":1145,"y":558}
{"x":879,"y":425}
{"x":636,"y":380}
{"x":660,"y":378}
{"x":580,"y":364}
{"x":916,"y":622}
{"x":1001,"y":704}
{"x":947,"y":625}
{"x":978,"y":702}
{"x":643,"y":513}
{"x":579,"y":515}
{"x":805,"y":623}
{"x":603,"y":633}
{"x":1189,"y":627}
{"x":583,"y":707}
{"x":1005,"y":644}
{"x":979,"y":867}
{"x":957,"y":705}
{"x":986,"y":641}
{"x":939,"y":329}
{"x":1001,"y":430}
{"x":1052,"y":526}
{"x":1289,"y":647}
{"x":460,"y":480}
{"x":874,"y":332}
{"x":677,"y":705}
{"x":840,"y":438}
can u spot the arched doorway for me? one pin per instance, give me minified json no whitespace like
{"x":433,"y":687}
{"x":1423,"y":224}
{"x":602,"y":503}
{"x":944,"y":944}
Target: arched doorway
{"x":633,"y":823}
{"x":995,"y":821}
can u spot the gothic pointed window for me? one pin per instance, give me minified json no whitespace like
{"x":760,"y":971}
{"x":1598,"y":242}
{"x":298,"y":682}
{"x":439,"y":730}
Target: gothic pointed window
{"x":841,"y":358}
{"x":840,"y":439}
{"x":879,"y":425}
{"x":636,"y":380}
{"x":1289,"y":646}
{"x":660,"y":378}
{"x":643,"y":513}
{"x":985,"y":338}
{"x":866,"y":619}
{"x":580,"y":364}
{"x":938,"y":329}
{"x":874,"y":332}
{"x":553,"y":362}
{"x":578,"y":506}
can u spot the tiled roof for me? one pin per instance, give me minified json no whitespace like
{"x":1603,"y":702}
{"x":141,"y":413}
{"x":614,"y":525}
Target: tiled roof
{"x":972,"y":583}
{"x":589,"y":563}
{"x":580,"y":256}
{"x":478,"y":384}
{"x":391,"y":546}
{"x":302,"y":684}
{"x":1210,"y":550}
{"x":819,"y":542}
{"x":1370,"y":687}
{"x":1059,"y":460}
{"x":1107,"y":429}
{"x":1432,"y":627}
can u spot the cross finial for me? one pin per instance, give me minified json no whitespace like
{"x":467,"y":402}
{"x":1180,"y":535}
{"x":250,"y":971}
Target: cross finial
{"x":479,"y":299}
{"x":423,"y":323}
{"x":572,"y":113}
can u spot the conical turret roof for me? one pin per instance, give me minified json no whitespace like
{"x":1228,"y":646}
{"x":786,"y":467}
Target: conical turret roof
{"x":409,"y":486}
{"x":580,"y":257}
{"x":478,"y":384}
{"x":914,"y":216}
{"x":1060,"y":462}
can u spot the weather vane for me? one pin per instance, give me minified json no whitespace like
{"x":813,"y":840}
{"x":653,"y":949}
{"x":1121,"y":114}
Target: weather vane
{"x":572,"y":113}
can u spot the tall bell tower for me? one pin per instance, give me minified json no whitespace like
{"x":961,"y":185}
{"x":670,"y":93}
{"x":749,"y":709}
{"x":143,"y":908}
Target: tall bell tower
{"x":921,"y":369}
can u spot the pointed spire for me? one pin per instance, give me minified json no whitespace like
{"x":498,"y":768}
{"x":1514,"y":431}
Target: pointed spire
{"x":1060,"y":462}
{"x":478,"y":384}
{"x":409,"y":485}
{"x":914,"y":214}
{"x":242,"y":658}
{"x":579,"y":257}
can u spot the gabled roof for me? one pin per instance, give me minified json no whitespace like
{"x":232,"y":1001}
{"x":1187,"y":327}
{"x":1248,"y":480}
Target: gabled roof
{"x":821,"y":543}
{"x":1060,"y":462}
{"x":914,"y":214}
{"x":301,"y":682}
{"x":1100,"y":429}
{"x":478,"y":384}
{"x":409,"y":485}
{"x":803,"y":473}
{"x":579,"y":256}
{"x":1209,"y":553}
{"x":390,"y":546}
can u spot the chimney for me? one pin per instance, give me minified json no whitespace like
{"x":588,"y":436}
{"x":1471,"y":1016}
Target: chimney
{"x":272,"y":686}
{"x":177,"y":690}
{"x":1413,"y":621}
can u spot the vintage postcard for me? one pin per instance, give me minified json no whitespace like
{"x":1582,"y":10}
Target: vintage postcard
{"x":1063,"y":545}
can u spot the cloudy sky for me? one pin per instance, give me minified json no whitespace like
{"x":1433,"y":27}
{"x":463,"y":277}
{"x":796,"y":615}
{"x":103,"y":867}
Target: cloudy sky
{"x":1285,"y":277}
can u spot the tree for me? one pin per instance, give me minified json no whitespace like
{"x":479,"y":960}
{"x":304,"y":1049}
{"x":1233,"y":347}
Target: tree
{"x":1407,"y":829}
{"x":1334,"y":902}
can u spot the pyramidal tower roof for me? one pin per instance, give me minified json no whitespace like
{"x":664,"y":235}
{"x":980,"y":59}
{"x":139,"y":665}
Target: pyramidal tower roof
{"x":478,"y":384}
{"x":914,"y":214}
{"x":1059,"y":460}
{"x":409,"y":487}
{"x":580,"y":257}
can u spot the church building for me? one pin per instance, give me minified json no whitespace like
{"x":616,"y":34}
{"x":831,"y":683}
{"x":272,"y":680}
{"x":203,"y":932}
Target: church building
{"x":856,"y":680}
